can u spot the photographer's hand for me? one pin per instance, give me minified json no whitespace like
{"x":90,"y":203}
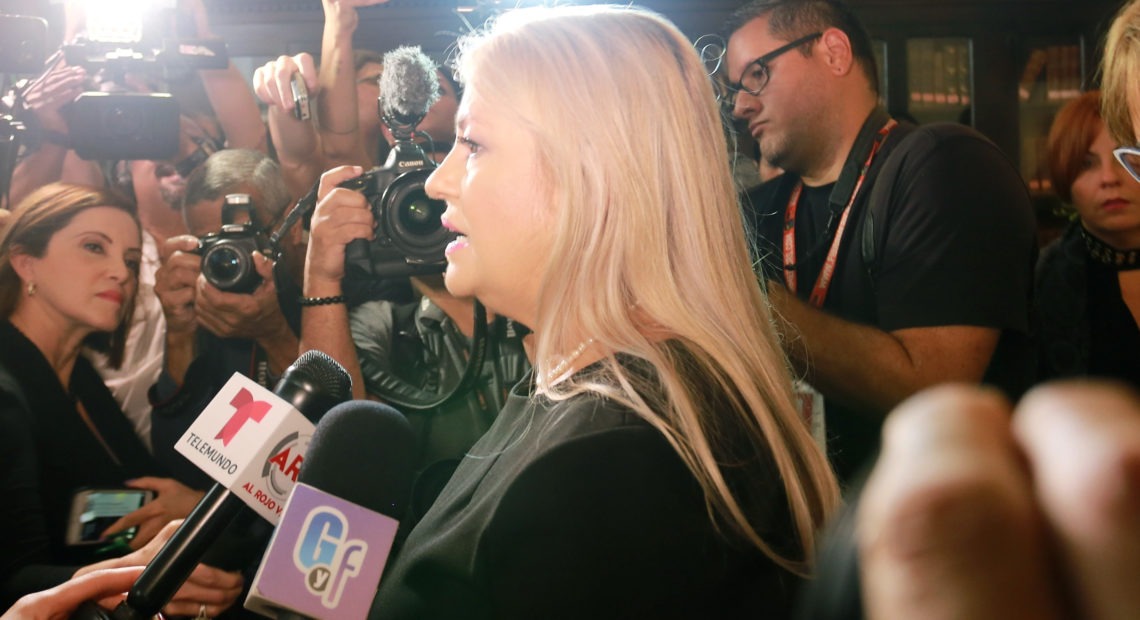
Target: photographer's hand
{"x":174,"y":283}
{"x":341,"y":215}
{"x":298,"y":147}
{"x":255,"y":316}
{"x":342,"y":13}
{"x":57,"y":87}
{"x":272,"y":81}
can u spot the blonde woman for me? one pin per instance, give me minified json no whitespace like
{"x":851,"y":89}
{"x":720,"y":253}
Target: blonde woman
{"x":653,"y":464}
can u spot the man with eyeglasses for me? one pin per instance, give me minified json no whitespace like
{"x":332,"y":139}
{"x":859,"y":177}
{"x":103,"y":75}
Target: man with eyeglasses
{"x":896,"y":257}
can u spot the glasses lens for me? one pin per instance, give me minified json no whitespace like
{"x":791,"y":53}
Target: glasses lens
{"x":755,"y":78}
{"x":1130,"y":159}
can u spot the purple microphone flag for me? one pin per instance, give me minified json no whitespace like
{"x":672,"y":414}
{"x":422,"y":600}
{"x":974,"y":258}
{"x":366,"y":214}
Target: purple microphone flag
{"x":325,"y":558}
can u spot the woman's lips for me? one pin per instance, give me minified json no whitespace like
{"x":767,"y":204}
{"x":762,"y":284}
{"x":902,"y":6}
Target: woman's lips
{"x":114,"y":296}
{"x":459,"y":243}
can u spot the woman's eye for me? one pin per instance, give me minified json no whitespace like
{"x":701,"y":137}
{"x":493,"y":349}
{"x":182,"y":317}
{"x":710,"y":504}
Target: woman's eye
{"x":472,"y":146}
{"x":93,"y":246}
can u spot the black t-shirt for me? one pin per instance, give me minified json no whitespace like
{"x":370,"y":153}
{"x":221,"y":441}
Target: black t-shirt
{"x":953,"y":245}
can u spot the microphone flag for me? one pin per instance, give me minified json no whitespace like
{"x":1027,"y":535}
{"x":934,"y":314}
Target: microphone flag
{"x":252,"y":442}
{"x":325,"y":558}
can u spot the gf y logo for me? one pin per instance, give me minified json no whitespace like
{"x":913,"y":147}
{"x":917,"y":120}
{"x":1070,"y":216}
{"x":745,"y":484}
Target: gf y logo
{"x":326,"y":556}
{"x":247,"y":409}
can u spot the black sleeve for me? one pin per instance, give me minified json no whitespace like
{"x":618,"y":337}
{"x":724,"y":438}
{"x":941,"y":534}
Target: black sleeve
{"x":26,"y":552}
{"x":960,"y":242}
{"x":175,"y":413}
{"x":613,"y":525}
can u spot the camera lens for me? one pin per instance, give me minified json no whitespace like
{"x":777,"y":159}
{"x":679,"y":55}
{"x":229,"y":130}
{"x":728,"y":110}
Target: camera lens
{"x":419,"y":215}
{"x":413,"y":219}
{"x":223,"y":266}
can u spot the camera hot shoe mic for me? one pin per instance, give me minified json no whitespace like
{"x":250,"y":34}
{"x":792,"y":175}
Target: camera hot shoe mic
{"x":409,"y":86}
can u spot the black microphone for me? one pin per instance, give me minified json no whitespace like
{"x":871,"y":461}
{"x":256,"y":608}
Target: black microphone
{"x":409,"y":87}
{"x":313,"y":384}
{"x":331,"y":545}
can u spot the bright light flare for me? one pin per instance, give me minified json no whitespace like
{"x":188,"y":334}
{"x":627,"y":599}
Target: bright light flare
{"x":116,"y":21}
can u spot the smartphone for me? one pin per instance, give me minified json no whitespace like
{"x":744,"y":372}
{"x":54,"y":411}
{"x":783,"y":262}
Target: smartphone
{"x":95,"y":509}
{"x":300,"y":97}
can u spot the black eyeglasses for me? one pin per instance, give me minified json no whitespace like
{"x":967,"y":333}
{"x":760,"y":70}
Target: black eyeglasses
{"x":1129,"y":157}
{"x":756,"y":75}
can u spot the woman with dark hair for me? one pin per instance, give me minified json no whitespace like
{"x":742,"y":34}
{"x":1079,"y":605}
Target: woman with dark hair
{"x":69,"y":260}
{"x":1088,"y":281}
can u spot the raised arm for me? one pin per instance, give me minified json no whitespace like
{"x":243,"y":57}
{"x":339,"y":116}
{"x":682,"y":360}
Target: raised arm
{"x":296,"y":140}
{"x":229,"y":95}
{"x":342,"y":140}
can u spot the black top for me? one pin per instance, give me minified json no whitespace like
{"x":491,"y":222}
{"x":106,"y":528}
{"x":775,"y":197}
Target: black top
{"x":953,"y":245}
{"x":1081,"y":323}
{"x":580,"y":509}
{"x":49,"y":453}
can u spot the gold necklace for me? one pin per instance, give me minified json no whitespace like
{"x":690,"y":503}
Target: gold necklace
{"x":564,"y":365}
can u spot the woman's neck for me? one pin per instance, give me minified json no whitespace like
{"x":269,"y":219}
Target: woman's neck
{"x":1120,"y":251}
{"x":59,"y":345}
{"x":1123,"y":240}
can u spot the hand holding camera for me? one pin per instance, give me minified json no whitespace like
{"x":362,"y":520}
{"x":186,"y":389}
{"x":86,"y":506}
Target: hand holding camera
{"x":254,"y":315}
{"x":341,"y":216}
{"x":175,"y":283}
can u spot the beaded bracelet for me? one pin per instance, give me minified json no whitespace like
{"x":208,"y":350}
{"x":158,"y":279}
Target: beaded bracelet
{"x":321,"y":301}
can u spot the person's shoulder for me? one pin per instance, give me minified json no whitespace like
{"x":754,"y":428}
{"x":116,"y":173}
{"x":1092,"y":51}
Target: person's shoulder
{"x":930,"y":138}
{"x":1061,"y":255}
{"x":584,"y":415}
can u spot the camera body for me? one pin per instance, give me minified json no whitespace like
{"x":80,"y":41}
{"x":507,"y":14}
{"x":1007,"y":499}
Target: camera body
{"x":227,"y":255}
{"x":410,"y":238}
{"x":122,"y":126}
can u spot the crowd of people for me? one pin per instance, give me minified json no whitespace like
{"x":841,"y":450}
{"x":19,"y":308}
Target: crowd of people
{"x":683,"y":382}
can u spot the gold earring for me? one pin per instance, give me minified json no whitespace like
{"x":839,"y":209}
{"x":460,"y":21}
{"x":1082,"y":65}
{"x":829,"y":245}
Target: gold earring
{"x":31,"y":289}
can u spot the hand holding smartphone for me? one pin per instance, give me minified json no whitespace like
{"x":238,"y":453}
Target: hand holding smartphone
{"x":300,"y":97}
{"x":95,"y":509}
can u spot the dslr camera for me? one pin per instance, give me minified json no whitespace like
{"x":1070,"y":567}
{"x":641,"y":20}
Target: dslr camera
{"x":227,"y":255}
{"x":410,"y":238}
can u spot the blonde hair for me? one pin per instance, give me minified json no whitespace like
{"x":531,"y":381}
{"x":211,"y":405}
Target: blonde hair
{"x":29,"y":229}
{"x":649,"y":257}
{"x":1120,"y":74}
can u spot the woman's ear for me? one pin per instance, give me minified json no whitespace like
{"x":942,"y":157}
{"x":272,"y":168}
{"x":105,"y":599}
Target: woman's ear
{"x":23,"y":264}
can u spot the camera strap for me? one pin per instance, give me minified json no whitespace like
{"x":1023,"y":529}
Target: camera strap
{"x":846,"y":189}
{"x":471,"y":372}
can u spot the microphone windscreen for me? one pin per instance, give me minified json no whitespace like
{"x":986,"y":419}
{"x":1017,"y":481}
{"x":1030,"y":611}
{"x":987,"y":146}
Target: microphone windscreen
{"x":408,"y":85}
{"x":362,"y":451}
{"x":314,"y":384}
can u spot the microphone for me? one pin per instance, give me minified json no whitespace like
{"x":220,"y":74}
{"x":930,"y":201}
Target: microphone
{"x":311,"y":385}
{"x":330,"y":547}
{"x":409,"y":87}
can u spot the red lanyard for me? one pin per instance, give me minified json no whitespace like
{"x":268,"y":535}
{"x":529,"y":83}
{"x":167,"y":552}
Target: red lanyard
{"x":823,"y":282}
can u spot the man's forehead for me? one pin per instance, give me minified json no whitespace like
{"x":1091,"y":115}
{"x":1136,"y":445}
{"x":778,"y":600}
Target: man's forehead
{"x":749,"y":42}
